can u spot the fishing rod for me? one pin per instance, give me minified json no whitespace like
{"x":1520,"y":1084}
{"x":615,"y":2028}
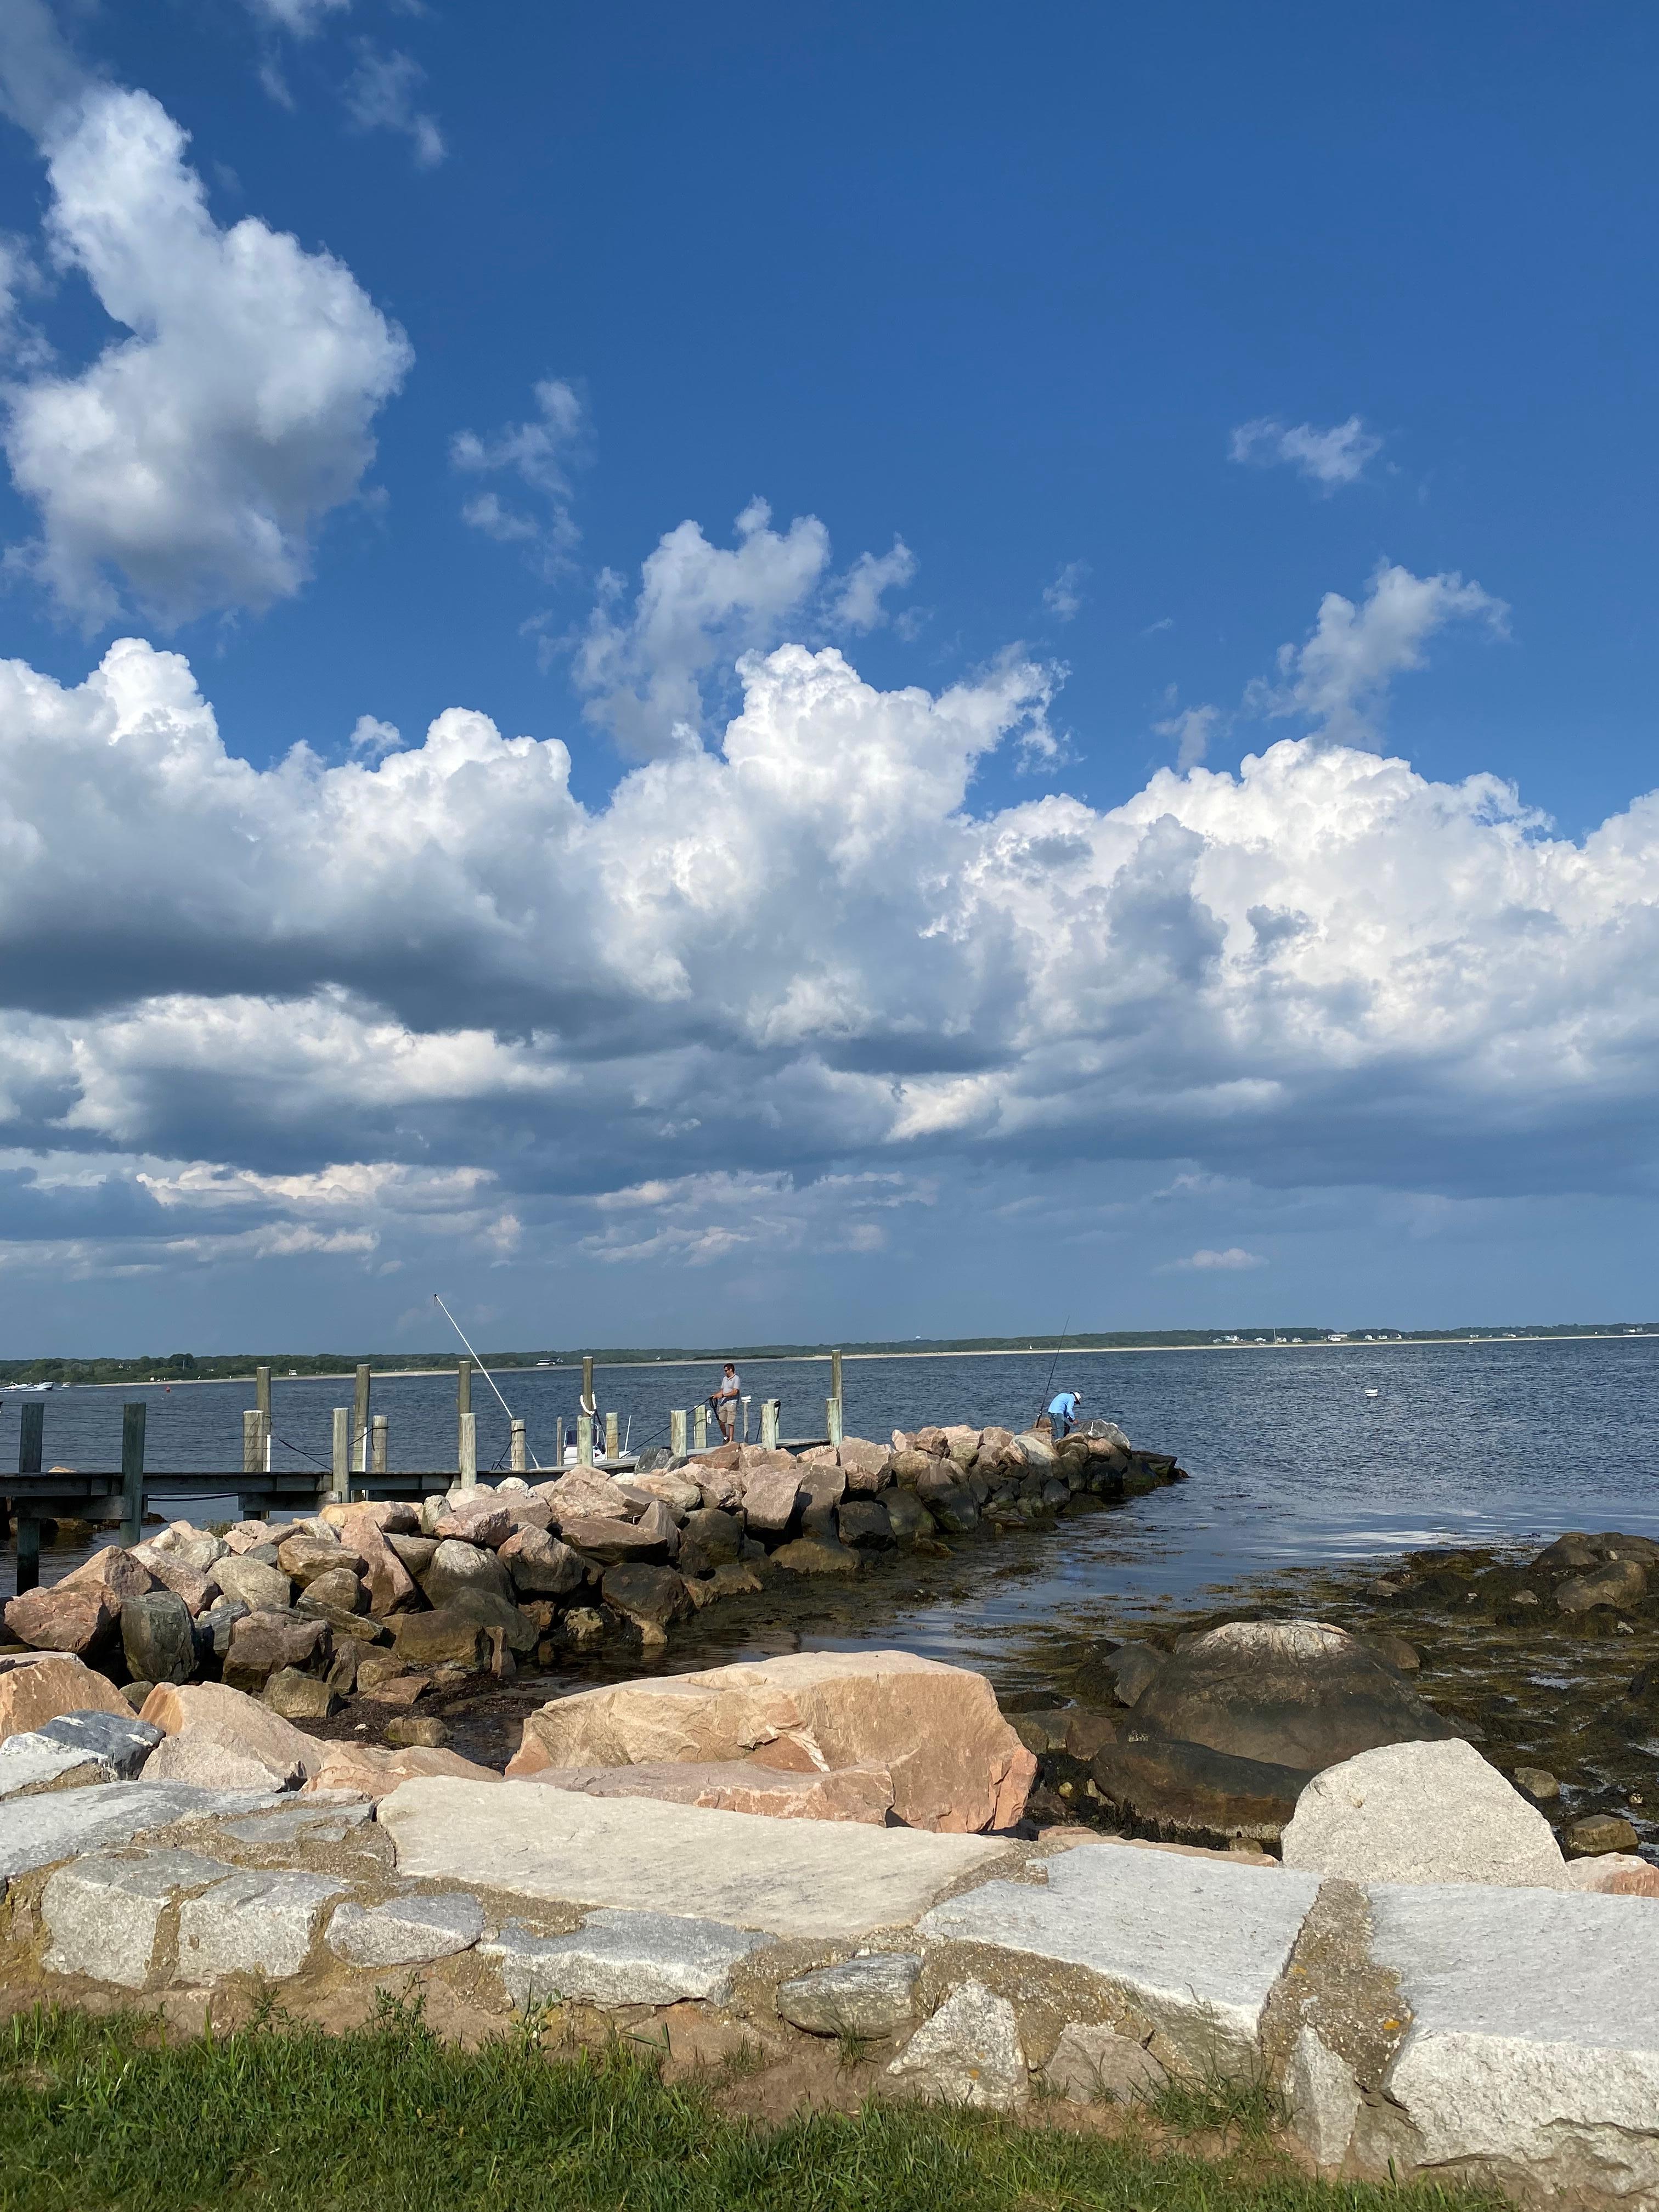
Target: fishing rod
{"x":1053,"y":1363}
{"x":485,"y":1372}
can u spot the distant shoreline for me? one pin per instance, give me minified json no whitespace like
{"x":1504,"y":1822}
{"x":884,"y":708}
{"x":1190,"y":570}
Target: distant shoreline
{"x":822,"y":1358}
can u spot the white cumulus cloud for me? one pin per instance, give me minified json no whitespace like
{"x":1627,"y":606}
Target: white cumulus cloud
{"x":701,"y":607}
{"x":193,"y":461}
{"x":1329,"y":459}
{"x":1338,"y":679}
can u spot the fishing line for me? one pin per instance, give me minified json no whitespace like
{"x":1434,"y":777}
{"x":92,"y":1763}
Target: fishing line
{"x":1053,"y":1363}
{"x":488,"y":1376}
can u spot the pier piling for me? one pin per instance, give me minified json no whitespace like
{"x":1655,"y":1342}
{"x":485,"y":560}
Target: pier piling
{"x":132,"y":1471}
{"x":469,"y":1452}
{"x":360,"y":1420}
{"x":28,"y":1527}
{"x":342,"y":1454}
{"x":520,"y":1452}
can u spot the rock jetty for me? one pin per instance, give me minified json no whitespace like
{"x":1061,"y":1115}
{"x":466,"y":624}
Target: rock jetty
{"x":376,"y":1601}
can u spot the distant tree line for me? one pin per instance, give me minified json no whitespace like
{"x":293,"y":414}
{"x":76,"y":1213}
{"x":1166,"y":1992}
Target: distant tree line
{"x":218,"y":1367}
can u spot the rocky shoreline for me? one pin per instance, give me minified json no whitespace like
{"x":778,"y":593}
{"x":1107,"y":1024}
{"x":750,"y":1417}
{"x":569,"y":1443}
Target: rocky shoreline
{"x":1546,"y":1660}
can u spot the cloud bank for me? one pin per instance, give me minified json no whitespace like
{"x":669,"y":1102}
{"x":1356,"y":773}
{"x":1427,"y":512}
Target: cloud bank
{"x":790,"y":988}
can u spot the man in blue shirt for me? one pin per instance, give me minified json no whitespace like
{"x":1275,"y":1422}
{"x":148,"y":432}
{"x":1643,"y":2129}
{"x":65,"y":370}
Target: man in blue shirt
{"x":1062,"y":1414}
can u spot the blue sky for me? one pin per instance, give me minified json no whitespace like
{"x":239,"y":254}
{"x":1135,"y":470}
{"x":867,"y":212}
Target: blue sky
{"x":1151,"y":389}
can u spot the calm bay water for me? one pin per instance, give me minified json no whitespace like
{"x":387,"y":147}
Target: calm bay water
{"x":1291,"y":1461}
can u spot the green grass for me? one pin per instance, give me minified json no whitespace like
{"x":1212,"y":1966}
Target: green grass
{"x":105,"y":2114}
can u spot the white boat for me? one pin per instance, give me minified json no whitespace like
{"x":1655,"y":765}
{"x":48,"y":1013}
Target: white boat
{"x":34,"y":1388}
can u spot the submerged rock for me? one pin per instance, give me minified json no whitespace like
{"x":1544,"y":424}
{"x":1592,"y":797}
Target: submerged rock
{"x":1295,"y":1693}
{"x":1189,"y":1793}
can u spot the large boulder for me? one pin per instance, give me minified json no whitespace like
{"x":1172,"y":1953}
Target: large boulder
{"x":584,"y":1495}
{"x":209,"y":1713}
{"x":194,"y":1589}
{"x":769,"y":1495}
{"x":1422,"y":1813}
{"x":476,"y":1516}
{"x":540,"y":1564}
{"x":677,"y":1491}
{"x":652,"y":1597}
{"x":1186,"y":1793}
{"x":304,"y":1557}
{"x":868,"y":1467}
{"x":261,"y":1586}
{"x":458,"y":1566}
{"x":263,"y":1643}
{"x":1294,"y":1693}
{"x":375,"y":1773}
{"x":209,"y":1765}
{"x":387,"y":1580}
{"x":157,"y":1638}
{"x":955,"y":1765}
{"x":339,"y":1591}
{"x":65,"y":1616}
{"x":863,"y":1794}
{"x":710,"y":1539}
{"x":115,"y":1571}
{"x":1619,"y":1583}
{"x":618,"y":1543}
{"x":445,"y":1638}
{"x":33,"y":1690}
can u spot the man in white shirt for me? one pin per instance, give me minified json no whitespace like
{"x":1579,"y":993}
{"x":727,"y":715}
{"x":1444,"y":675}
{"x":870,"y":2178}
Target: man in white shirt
{"x":725,"y":1401}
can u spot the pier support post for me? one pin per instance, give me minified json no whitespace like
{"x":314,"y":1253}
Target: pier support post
{"x":340,"y":1487}
{"x":518,"y":1454}
{"x":463,"y":1401}
{"x":612,"y":1437}
{"x":469,"y":1477}
{"x":835,"y":1374}
{"x":699,"y":1428}
{"x":747,"y":1402}
{"x":832,"y":1420}
{"x":378,"y":1445}
{"x":254,"y":1460}
{"x":261,"y":1406}
{"x":360,"y":1421}
{"x":677,"y":1434}
{"x":771,"y":1408}
{"x":132,"y":1471}
{"x":584,"y":1440}
{"x":29,"y":1456}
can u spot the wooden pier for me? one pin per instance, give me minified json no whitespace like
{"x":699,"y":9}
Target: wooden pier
{"x":358,"y":1470}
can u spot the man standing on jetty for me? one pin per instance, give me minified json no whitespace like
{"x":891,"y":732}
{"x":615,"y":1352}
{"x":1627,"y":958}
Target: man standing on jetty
{"x":724,"y":1400}
{"x":1062,"y":1414}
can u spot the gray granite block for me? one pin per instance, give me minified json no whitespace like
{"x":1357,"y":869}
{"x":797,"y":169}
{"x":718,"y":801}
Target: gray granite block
{"x":260,"y":1922}
{"x":102,"y":1913}
{"x":407,"y":1931}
